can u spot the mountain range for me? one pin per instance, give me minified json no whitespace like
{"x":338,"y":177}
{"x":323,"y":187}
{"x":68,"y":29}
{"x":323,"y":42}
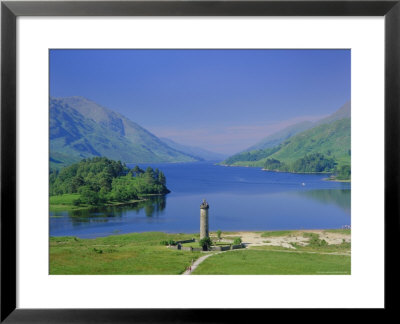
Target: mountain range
{"x":197,"y":152}
{"x":282,"y":135}
{"x":80,"y":128}
{"x":329,"y":136}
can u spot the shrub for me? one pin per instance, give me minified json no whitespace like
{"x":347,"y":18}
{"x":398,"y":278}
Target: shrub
{"x":323,"y":243}
{"x":205,"y":242}
{"x":219,"y":234}
{"x":314,"y":240}
{"x":237,"y":240}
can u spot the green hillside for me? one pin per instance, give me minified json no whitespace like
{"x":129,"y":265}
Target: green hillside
{"x":79,"y":128}
{"x":320,"y":149}
{"x":321,"y":146}
{"x":282,"y":135}
{"x":332,"y":140}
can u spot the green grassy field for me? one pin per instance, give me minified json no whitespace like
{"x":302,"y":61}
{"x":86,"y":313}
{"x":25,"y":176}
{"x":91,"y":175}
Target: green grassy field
{"x":265,"y":262}
{"x":142,"y":253}
{"x":192,"y":244}
{"x":63,"y":202}
{"x":317,"y":257}
{"x":139,"y":253}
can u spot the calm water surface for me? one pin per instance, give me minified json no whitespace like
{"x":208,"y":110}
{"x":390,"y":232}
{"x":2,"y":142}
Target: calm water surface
{"x":240,"y":199}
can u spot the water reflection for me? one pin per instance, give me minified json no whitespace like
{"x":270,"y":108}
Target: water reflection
{"x":152,"y":207}
{"x":338,"y":197}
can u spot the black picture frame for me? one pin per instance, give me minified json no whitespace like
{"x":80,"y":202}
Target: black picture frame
{"x":10,"y":10}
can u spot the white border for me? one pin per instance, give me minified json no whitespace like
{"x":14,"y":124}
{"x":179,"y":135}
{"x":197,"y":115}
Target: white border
{"x":364,"y":288}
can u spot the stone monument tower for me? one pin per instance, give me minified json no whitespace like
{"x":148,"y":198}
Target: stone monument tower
{"x":204,"y":219}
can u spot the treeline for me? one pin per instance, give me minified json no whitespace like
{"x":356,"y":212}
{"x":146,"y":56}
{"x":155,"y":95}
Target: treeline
{"x":100,"y":180}
{"x":311,"y":163}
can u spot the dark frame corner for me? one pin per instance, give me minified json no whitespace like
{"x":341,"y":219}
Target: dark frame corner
{"x":10,"y":10}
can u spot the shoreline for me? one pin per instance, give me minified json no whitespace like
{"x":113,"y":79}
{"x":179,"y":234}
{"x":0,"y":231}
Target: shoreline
{"x":337,"y":180}
{"x":214,"y":233}
{"x":278,"y":171}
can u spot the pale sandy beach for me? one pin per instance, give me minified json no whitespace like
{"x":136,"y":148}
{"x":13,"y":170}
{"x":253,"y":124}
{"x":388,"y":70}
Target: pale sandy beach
{"x":255,"y":238}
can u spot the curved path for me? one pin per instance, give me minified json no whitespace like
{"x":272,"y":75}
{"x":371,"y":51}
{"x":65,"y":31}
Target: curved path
{"x":198,"y":261}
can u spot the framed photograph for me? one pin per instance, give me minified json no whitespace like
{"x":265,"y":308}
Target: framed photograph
{"x":183,"y":156}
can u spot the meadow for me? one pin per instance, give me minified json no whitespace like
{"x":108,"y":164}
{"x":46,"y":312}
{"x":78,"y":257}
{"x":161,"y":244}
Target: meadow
{"x":138,"y":253}
{"x":142,"y":253}
{"x":264,"y":261}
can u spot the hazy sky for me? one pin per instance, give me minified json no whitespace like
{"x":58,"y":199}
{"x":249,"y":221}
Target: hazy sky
{"x":222,"y":100}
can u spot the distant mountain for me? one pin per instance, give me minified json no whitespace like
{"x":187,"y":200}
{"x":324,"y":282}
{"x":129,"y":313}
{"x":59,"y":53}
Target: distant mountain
{"x":329,"y":136}
{"x":284,"y":134}
{"x":194,"y":151}
{"x":280,"y":136}
{"x":342,"y":112}
{"x":80,"y":128}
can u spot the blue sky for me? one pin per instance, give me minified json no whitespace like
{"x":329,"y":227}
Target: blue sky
{"x":222,"y":100}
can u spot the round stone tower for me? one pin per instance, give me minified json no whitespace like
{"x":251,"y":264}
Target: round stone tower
{"x":204,"y":219}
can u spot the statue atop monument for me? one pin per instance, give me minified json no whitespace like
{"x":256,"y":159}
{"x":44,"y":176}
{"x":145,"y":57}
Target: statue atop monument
{"x":204,"y":205}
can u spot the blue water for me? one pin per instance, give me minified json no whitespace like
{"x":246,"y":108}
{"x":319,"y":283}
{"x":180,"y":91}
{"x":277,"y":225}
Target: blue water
{"x":240,"y":199}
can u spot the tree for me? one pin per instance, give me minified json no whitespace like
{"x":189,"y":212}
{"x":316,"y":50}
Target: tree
{"x":88,"y":195}
{"x":136,"y":171}
{"x":315,"y":162}
{"x":219,"y":234}
{"x":76,"y":182}
{"x":161,"y":178}
{"x":150,"y":171}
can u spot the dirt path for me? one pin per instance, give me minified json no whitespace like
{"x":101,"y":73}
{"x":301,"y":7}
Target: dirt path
{"x":198,"y":261}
